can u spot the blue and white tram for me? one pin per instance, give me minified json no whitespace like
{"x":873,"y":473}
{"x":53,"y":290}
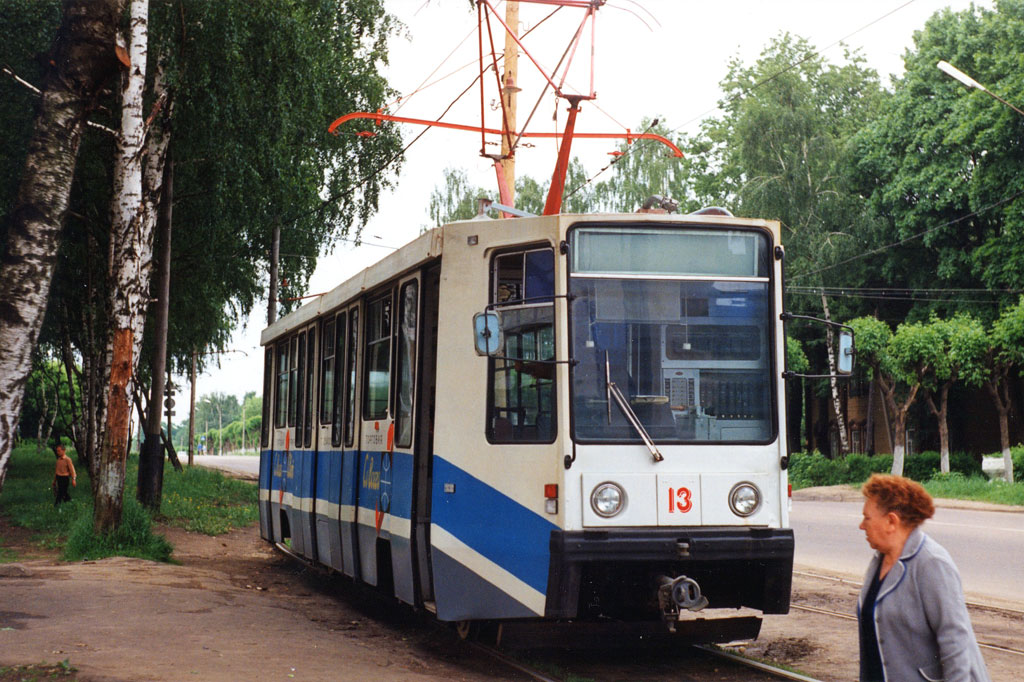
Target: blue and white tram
{"x":554,"y":419}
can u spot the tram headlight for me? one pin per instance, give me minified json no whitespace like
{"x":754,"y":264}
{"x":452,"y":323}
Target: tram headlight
{"x":607,"y":499}
{"x":744,"y":499}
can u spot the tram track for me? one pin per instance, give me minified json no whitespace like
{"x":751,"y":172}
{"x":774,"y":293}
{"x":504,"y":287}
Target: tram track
{"x":773,"y":670}
{"x":533,"y":673}
{"x":846,"y":616}
{"x":989,"y":608}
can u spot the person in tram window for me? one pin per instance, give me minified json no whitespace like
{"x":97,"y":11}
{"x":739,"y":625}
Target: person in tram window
{"x":913,"y":619}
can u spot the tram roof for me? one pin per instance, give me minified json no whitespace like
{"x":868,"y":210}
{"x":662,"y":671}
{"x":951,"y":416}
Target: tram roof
{"x":430,"y":245}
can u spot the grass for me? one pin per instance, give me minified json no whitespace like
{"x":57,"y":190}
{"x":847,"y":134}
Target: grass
{"x":958,"y":486}
{"x":7,"y":555}
{"x":197,"y":499}
{"x":206,"y":501}
{"x":965,"y":482}
{"x":37,"y":673}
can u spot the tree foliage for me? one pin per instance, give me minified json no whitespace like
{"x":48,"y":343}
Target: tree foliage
{"x":254,"y":87}
{"x":941,"y":164}
{"x":779,"y":148}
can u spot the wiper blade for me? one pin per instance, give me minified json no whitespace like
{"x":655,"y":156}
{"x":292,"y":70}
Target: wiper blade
{"x":612,"y":391}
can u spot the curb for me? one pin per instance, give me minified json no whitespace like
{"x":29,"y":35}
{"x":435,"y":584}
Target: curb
{"x":849,"y":493}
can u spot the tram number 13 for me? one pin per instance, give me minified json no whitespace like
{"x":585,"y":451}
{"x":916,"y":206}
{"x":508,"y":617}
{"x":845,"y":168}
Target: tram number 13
{"x":679,"y":500}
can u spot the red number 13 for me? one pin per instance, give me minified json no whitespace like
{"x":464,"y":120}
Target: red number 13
{"x":679,"y":499}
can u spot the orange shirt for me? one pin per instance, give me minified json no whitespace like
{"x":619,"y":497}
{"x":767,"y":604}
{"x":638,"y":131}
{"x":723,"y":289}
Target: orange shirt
{"x":65,"y":467}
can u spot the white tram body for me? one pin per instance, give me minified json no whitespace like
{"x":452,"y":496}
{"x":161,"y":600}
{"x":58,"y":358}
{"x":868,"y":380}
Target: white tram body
{"x":517,"y":485}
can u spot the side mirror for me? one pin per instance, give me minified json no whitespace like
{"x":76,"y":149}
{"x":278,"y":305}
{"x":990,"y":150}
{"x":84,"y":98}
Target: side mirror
{"x":846,"y":352}
{"x":487,"y":336}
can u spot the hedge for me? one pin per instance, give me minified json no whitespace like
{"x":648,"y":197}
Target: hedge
{"x":813,"y":469}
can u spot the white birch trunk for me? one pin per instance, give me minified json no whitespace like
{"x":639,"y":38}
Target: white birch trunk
{"x":837,"y":406}
{"x":130,"y":251}
{"x":83,"y":57}
{"x":898,"y":458}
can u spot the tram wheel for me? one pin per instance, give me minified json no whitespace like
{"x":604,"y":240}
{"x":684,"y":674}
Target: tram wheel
{"x":467,"y":629}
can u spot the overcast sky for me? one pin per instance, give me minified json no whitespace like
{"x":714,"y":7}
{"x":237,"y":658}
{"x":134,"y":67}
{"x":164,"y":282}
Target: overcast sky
{"x":653,"y":58}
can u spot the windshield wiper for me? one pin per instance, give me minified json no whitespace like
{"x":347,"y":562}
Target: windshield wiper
{"x":612,"y":391}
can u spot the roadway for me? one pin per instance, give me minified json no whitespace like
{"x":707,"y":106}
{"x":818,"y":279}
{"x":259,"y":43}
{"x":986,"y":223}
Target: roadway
{"x":987,"y":545}
{"x":242,"y":466}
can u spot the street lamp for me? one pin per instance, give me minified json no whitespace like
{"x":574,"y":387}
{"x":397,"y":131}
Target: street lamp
{"x":956,"y":73}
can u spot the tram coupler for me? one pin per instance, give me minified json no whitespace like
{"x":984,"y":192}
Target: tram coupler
{"x":678,"y":593}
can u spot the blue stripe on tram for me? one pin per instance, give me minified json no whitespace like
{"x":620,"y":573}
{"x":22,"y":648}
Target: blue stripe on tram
{"x":492,"y":524}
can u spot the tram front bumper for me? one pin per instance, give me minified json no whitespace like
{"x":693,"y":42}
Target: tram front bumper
{"x":742,"y":566}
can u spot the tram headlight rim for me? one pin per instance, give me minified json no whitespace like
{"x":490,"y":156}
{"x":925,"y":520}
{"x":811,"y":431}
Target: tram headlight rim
{"x":608,"y":486}
{"x":741,"y":508}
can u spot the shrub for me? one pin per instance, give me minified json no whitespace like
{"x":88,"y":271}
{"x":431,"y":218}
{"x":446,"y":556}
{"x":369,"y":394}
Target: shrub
{"x":806,"y":470}
{"x":966,"y":464}
{"x":921,"y":466}
{"x":1017,"y":453}
{"x":860,"y":466}
{"x":133,"y":538}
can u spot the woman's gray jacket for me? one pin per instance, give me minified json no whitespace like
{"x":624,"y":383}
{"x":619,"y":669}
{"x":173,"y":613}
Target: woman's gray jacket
{"x":921,"y":621}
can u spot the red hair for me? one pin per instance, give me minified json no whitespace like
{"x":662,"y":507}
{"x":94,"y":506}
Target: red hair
{"x":908,"y":499}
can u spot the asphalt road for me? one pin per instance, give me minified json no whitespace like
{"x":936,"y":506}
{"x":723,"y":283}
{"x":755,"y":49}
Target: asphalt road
{"x":987,"y":546}
{"x":245,"y":466}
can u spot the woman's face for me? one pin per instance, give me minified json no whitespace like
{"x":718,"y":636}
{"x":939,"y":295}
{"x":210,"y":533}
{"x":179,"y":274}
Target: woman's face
{"x":879,"y":527}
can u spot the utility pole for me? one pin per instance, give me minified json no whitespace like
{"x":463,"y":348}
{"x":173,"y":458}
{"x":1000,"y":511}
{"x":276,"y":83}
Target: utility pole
{"x":192,"y":413}
{"x":508,"y":96}
{"x":151,"y":454}
{"x":275,"y":257}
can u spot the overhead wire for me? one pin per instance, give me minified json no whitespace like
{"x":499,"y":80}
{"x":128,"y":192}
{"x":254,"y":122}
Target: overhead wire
{"x":912,"y":237}
{"x":758,"y":84}
{"x":398,"y":155}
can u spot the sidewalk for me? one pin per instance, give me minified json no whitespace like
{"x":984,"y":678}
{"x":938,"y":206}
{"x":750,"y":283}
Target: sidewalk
{"x":851,"y":493}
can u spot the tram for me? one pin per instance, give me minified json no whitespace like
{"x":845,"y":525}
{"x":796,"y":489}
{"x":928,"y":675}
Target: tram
{"x":559,"y":420}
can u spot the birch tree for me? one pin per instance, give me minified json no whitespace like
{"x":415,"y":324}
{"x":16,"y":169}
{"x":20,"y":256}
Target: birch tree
{"x":138,"y":176}
{"x":82,"y":59}
{"x":779,"y":151}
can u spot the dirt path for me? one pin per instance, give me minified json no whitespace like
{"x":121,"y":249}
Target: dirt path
{"x":233,"y":610}
{"x":236,"y":610}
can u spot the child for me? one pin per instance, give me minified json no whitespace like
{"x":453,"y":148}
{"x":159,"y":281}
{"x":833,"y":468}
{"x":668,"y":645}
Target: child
{"x":64,"y":473}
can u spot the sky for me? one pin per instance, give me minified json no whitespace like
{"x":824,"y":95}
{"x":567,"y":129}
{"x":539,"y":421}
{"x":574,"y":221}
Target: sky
{"x":652,"y":58}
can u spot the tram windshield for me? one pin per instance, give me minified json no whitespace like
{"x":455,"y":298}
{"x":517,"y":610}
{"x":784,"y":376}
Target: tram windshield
{"x":680,"y":321}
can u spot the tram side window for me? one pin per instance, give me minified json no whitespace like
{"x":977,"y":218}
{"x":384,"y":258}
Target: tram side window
{"x":268,"y":386}
{"x":299,"y":367}
{"x":337,"y":388}
{"x":327,"y":372}
{"x":407,"y":310}
{"x":293,"y":381}
{"x":377,"y":373}
{"x":307,"y":432}
{"x":281,"y":397}
{"x":521,"y":402}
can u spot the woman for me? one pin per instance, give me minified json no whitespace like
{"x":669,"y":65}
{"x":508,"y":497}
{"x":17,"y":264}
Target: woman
{"x":913,"y":619}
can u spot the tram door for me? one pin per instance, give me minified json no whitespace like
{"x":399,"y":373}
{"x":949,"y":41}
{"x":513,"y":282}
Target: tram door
{"x":376,"y":437}
{"x":303,"y":451}
{"x":280,"y":441}
{"x":426,"y":373}
{"x":347,"y":435}
{"x":401,"y":446}
{"x":267,"y":448}
{"x":332,"y":334}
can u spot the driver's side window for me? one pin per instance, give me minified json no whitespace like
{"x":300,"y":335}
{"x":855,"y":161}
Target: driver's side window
{"x":521,"y":400}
